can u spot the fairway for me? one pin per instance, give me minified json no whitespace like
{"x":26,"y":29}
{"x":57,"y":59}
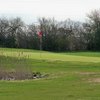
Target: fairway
{"x":71,"y":75}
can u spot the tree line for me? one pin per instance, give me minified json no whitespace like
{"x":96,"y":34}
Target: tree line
{"x":65,"y":35}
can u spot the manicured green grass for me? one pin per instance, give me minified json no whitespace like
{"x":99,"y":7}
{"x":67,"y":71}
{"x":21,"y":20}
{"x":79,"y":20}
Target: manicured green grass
{"x":89,"y":54}
{"x":71,"y":75}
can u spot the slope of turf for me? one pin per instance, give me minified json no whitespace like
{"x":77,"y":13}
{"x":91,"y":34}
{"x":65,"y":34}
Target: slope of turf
{"x":70,"y":75}
{"x":21,"y":53}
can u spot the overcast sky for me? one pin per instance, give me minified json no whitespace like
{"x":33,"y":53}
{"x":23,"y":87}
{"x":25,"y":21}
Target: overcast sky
{"x":30,"y":10}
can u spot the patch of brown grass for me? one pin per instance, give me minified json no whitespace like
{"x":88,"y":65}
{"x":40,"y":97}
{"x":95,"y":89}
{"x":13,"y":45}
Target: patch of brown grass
{"x":19,"y":74}
{"x":95,"y":80}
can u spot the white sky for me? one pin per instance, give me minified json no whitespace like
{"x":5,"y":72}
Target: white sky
{"x":30,"y":10}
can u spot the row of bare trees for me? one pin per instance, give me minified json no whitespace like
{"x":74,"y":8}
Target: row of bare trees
{"x":67,"y":35}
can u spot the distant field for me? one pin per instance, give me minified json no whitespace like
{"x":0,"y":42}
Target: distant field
{"x":72,"y":76}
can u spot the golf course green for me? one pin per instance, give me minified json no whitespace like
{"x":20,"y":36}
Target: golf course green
{"x":71,"y":75}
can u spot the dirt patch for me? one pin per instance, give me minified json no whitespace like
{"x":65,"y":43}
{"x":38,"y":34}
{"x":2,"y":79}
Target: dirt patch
{"x":93,"y":77}
{"x":96,"y":80}
{"x":88,"y":73}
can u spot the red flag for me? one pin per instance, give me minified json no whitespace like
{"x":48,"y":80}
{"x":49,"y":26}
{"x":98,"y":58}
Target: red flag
{"x":40,"y":34}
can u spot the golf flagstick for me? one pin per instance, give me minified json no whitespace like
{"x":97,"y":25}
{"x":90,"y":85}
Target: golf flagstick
{"x":40,"y":40}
